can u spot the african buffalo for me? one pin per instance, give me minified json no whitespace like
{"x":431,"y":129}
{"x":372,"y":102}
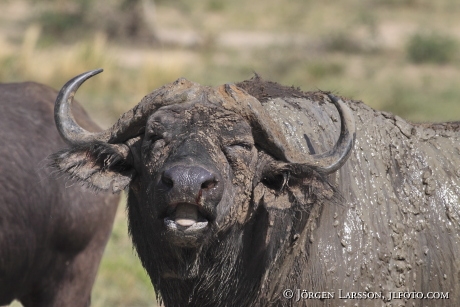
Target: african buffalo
{"x":257,"y":194}
{"x":52,"y":235}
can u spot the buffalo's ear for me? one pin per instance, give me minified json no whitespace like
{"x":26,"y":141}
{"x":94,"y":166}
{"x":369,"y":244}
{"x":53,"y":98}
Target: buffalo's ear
{"x":99,"y":165}
{"x":270,"y":172}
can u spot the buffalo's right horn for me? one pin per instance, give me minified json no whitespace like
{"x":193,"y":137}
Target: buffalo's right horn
{"x":68,"y":128}
{"x":129,"y":125}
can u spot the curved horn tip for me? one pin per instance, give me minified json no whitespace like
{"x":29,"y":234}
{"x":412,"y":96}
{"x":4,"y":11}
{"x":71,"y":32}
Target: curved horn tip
{"x":68,"y":128}
{"x":73,"y":84}
{"x":95,"y":71}
{"x":333,"y":160}
{"x":86,"y":75}
{"x":333,"y":98}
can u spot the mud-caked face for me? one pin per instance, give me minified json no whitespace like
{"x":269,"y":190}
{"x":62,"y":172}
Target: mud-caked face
{"x":197,"y":165}
{"x":187,"y":153}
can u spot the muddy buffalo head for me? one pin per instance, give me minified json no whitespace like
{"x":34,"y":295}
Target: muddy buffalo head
{"x":191,"y":156}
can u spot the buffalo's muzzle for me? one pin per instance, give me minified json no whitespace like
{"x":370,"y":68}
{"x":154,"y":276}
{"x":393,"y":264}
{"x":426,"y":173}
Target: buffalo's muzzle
{"x":190,"y":194}
{"x":189,"y":181}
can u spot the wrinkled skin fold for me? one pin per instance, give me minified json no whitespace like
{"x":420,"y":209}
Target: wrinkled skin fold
{"x":241,"y":191}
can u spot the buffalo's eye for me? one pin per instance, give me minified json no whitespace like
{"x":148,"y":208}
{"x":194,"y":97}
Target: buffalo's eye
{"x":152,"y":138}
{"x":242,"y":145}
{"x":154,"y":132}
{"x":275,"y":182}
{"x":238,"y":151}
{"x":152,"y":142}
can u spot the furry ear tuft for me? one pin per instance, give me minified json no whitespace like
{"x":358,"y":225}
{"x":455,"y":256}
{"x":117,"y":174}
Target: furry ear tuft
{"x":98,"y":165}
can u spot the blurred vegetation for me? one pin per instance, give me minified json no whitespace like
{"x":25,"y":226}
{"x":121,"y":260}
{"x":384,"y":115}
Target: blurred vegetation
{"x":395,"y":55}
{"x":65,"y":21}
{"x":432,"y":47}
{"x":121,"y":280}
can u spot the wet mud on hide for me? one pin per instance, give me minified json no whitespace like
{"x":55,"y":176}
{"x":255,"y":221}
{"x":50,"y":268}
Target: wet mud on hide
{"x":386,"y":221}
{"x":398,"y":227}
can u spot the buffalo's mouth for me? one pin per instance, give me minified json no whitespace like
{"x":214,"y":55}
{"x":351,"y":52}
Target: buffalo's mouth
{"x":186,"y":217}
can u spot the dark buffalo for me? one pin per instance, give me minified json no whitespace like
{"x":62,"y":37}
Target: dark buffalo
{"x":257,"y":194}
{"x":52,"y":235}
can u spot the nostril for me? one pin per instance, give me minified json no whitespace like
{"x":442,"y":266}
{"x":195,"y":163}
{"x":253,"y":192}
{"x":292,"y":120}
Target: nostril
{"x":208,"y":184}
{"x":181,"y":178}
{"x":167,"y":180}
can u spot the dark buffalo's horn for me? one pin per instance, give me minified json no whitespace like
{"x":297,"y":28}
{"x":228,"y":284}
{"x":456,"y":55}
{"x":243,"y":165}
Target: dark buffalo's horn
{"x":332,"y":160}
{"x":130,"y":124}
{"x":269,"y":136}
{"x":68,"y":128}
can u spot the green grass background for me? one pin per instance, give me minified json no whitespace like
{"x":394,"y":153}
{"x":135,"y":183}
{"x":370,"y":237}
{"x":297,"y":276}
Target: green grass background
{"x":400,"y":56}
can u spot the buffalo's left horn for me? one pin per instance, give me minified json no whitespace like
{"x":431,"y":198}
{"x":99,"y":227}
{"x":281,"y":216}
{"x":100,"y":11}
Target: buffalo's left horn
{"x":270,"y":137}
{"x":332,"y":160}
{"x":68,"y":128}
